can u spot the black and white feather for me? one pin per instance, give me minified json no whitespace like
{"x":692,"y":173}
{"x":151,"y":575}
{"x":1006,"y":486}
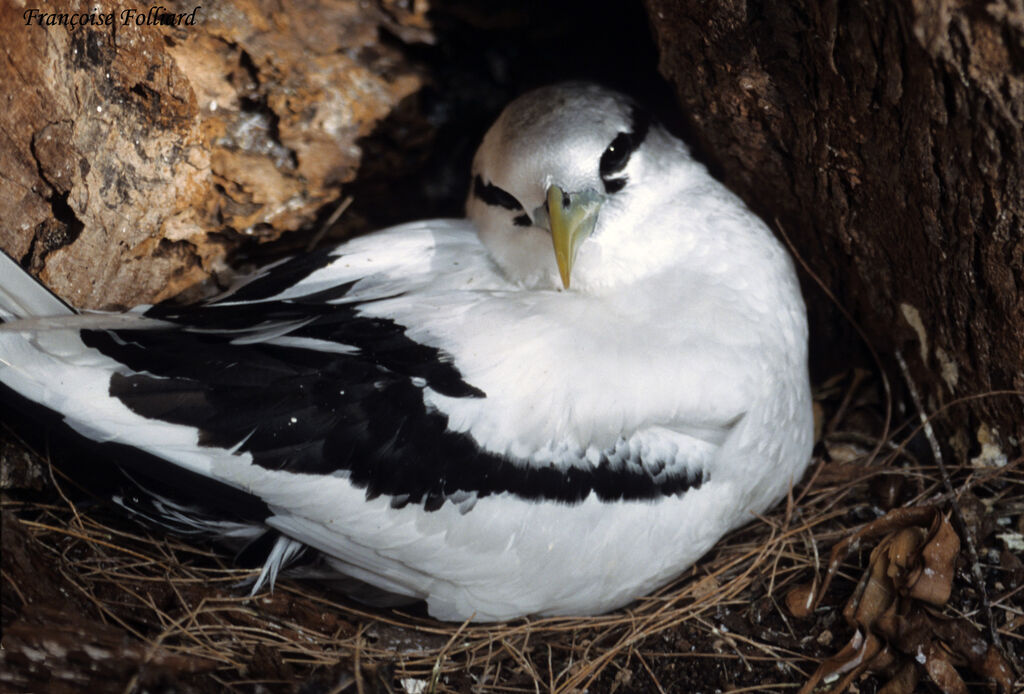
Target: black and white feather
{"x":551,"y":407}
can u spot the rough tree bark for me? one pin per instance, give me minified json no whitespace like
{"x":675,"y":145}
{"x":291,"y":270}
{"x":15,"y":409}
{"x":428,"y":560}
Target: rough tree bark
{"x":133,"y":157}
{"x":887,"y":139}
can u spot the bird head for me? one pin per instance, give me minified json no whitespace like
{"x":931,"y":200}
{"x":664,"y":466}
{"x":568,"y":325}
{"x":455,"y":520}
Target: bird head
{"x":557,"y":183}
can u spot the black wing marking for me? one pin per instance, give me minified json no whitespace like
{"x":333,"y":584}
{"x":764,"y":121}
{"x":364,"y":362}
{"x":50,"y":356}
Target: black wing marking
{"x":360,"y":413}
{"x":90,"y":461}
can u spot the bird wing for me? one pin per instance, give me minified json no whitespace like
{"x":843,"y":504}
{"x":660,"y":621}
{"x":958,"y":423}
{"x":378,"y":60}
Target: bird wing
{"x":302,"y":370}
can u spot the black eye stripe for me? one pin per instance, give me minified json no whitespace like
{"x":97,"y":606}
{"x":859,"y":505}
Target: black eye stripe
{"x":523,"y":220}
{"x":614,"y":185}
{"x":617,"y":155}
{"x":493,"y":195}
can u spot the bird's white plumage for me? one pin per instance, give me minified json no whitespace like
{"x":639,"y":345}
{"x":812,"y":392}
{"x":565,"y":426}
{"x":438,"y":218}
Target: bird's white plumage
{"x":678,"y":352}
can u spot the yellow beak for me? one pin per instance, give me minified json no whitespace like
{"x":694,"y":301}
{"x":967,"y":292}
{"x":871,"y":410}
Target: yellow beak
{"x":572,"y":216}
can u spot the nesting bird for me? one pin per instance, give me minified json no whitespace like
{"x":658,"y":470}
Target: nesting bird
{"x":551,"y":407}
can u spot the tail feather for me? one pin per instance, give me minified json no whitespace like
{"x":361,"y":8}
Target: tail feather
{"x":23,"y":296}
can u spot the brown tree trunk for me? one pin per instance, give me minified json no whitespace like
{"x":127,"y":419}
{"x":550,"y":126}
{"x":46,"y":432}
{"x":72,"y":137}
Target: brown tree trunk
{"x":887,"y":140}
{"x":134,"y":156}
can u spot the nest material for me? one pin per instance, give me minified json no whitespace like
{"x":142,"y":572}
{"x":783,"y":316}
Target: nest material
{"x":93,"y":602}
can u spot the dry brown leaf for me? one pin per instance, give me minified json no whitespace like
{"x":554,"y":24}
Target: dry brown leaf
{"x":903,"y":682}
{"x":968,"y":646}
{"x":850,"y":662}
{"x":911,"y":568}
{"x":935,"y":582}
{"x":874,"y":595}
{"x":941,"y":670}
{"x":800,"y":600}
{"x":995,"y":667}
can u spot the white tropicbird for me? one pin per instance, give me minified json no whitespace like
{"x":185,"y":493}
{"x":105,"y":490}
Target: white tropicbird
{"x":550,"y":407}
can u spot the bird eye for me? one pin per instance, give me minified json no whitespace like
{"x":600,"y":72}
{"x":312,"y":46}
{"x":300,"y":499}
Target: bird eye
{"x":614,"y":160}
{"x":615,"y":157}
{"x":493,"y":195}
